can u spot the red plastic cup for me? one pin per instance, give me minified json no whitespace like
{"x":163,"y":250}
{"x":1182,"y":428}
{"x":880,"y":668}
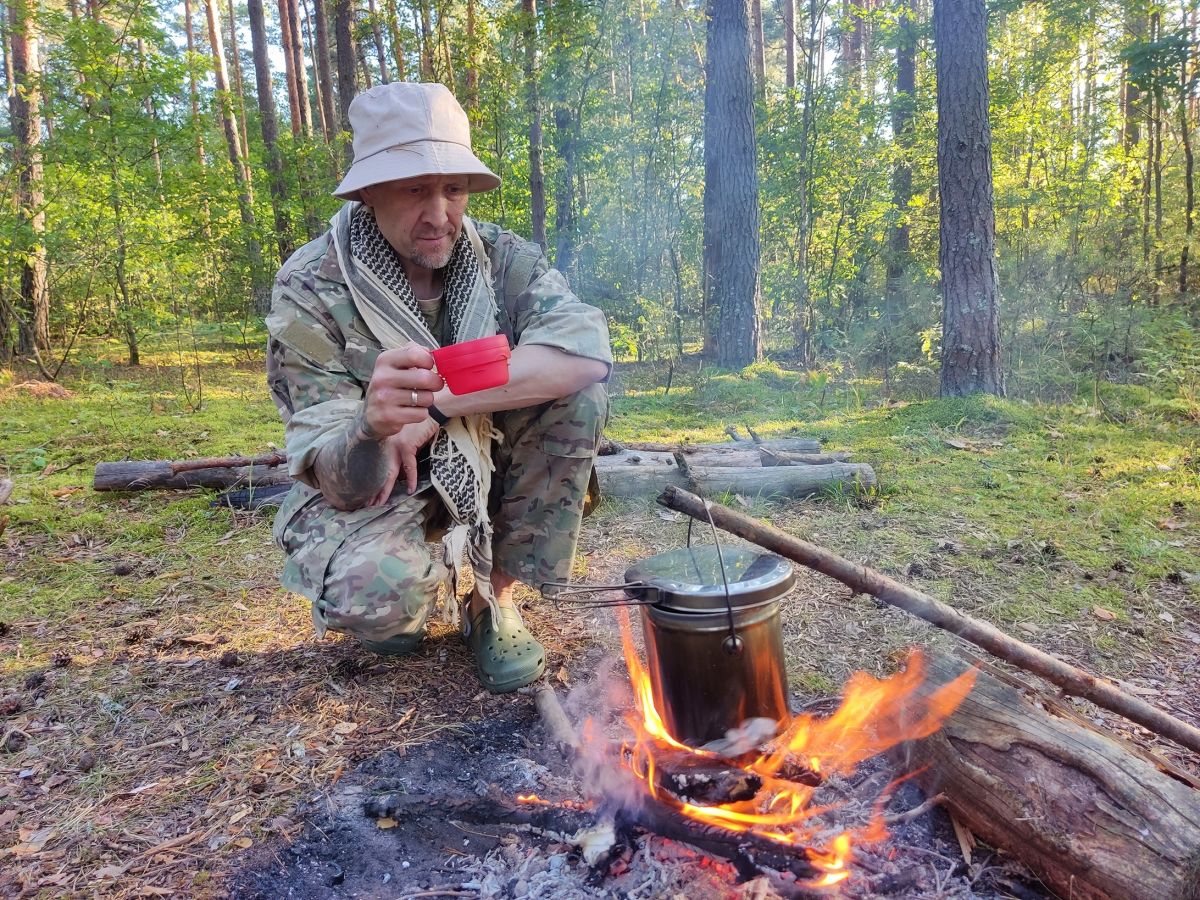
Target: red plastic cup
{"x":474,"y":365}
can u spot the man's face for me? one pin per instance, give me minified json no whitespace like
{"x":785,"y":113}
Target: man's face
{"x":420,"y":217}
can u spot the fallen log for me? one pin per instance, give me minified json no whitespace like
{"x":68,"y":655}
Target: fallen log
{"x":628,"y":474}
{"x":864,"y":580}
{"x":610,"y":447}
{"x":769,"y":457}
{"x":1091,"y":819}
{"x":136,"y":475}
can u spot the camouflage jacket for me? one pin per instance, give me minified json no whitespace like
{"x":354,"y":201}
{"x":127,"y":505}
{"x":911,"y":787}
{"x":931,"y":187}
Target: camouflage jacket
{"x":320,"y":349}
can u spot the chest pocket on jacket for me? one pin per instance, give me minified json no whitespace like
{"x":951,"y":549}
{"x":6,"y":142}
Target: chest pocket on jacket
{"x":359,"y":358}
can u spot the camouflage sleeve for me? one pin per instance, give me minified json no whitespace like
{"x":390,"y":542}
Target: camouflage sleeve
{"x":547,"y":311}
{"x":315,"y":393}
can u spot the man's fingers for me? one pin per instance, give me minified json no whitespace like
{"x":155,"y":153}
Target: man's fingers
{"x":410,"y":356}
{"x":408,"y":462}
{"x":405,"y":379}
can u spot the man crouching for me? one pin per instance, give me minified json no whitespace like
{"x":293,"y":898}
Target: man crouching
{"x":384,"y":455}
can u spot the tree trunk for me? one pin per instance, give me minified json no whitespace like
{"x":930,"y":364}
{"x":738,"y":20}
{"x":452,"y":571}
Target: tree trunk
{"x":324,"y":76}
{"x":393,"y":23}
{"x":903,"y":106}
{"x":428,"y":69}
{"x":1091,"y":818}
{"x":471,"y":101}
{"x":731,"y":240}
{"x":377,"y":34}
{"x":789,"y":43}
{"x":299,"y":68}
{"x":270,"y":125}
{"x":260,"y":287}
{"x":289,"y":66}
{"x":193,"y":92}
{"x":758,"y":47}
{"x":25,"y":116}
{"x":970,"y":302}
{"x":343,"y":13}
{"x":1189,"y":166}
{"x":308,"y":32}
{"x":239,"y":92}
{"x":537,"y":180}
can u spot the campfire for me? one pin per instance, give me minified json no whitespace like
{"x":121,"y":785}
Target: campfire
{"x":773,"y":788}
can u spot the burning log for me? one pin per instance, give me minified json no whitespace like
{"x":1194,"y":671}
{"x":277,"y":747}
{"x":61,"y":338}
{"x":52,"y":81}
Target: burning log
{"x":1072,"y":680}
{"x":704,"y":780}
{"x":1091,"y":818}
{"x":751,"y":853}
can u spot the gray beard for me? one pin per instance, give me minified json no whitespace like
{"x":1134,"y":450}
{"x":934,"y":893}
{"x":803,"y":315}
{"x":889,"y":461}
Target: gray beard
{"x":426,"y":261}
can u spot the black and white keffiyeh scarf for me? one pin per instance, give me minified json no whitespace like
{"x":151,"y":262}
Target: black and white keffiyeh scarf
{"x":461,"y":453}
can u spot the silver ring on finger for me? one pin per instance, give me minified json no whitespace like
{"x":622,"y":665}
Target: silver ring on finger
{"x":416,"y":400}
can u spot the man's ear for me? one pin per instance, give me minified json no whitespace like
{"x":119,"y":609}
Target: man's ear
{"x":364,"y":196}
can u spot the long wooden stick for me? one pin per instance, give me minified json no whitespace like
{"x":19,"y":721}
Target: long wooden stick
{"x":867,"y":581}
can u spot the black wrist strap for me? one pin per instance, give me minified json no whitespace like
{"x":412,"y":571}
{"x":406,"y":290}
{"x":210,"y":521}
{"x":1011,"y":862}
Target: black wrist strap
{"x":437,"y":415}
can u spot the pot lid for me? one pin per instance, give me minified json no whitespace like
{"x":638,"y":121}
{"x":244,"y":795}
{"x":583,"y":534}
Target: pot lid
{"x":689,"y":579}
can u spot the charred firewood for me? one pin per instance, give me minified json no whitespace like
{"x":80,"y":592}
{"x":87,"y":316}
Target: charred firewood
{"x":706,"y":780}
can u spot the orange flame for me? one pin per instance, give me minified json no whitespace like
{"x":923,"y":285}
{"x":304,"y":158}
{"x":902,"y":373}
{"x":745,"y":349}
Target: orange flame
{"x":875,"y":715}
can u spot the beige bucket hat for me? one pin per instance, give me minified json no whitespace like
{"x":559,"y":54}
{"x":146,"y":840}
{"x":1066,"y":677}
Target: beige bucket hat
{"x":404,"y":130}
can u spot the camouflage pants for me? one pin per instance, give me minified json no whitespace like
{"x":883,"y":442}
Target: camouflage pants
{"x":370,"y":572}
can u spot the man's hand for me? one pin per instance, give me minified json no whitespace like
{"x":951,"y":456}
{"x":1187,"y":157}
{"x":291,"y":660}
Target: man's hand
{"x":402,"y":387}
{"x":401,"y":452}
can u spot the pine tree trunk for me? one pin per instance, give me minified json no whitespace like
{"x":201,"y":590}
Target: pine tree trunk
{"x":152,"y":115}
{"x":428,"y":69}
{"x":903,"y":105}
{"x":731,"y":239}
{"x":289,"y":66}
{"x":377,"y":34}
{"x":343,"y":12}
{"x":309,"y":33}
{"x":970,"y":320}
{"x":324,"y":75}
{"x":300,"y":69}
{"x":789,"y":42}
{"x":472,"y":83}
{"x":270,"y":125}
{"x":240,"y":93}
{"x":259,"y":284}
{"x":393,"y":23}
{"x":1189,"y":166}
{"x":193,"y":92}
{"x":759,"y":47}
{"x":537,"y":179}
{"x":25,"y":116}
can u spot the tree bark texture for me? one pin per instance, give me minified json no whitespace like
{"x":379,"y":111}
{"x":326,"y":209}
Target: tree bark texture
{"x":1090,"y":818}
{"x":903,"y":105}
{"x":428,"y":67}
{"x":537,"y":178}
{"x":789,"y":42}
{"x":239,"y":91}
{"x":731,"y":239}
{"x":971,"y":360}
{"x":289,"y":65}
{"x":25,"y":116}
{"x":324,"y":74}
{"x":261,"y":290}
{"x":343,"y":15}
{"x":393,"y":24}
{"x":270,"y":125}
{"x":759,"y":47}
{"x":299,"y":67}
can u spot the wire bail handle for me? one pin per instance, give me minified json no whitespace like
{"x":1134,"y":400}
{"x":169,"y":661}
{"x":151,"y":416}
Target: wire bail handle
{"x":733,"y":645}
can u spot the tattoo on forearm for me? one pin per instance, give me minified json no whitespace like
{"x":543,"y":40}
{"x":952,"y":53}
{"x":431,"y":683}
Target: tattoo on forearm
{"x":352,"y":468}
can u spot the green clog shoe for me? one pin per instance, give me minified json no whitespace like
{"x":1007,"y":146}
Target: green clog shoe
{"x":507,"y":656}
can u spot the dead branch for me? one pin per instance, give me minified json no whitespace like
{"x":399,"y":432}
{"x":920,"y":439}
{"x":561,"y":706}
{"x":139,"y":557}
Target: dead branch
{"x":867,"y":581}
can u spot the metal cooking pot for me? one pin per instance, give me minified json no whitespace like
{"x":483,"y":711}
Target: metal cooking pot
{"x":714,"y":645}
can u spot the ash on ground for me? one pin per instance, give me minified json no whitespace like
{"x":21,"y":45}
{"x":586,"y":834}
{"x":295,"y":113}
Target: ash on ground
{"x":342,"y":851}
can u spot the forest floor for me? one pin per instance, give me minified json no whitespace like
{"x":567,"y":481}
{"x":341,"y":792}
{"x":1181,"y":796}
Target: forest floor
{"x":167,"y":717}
